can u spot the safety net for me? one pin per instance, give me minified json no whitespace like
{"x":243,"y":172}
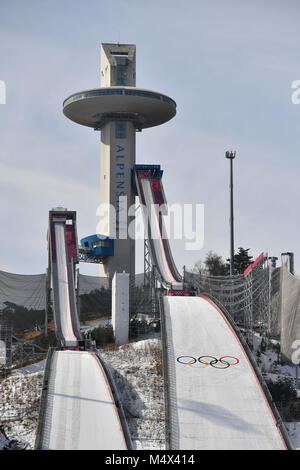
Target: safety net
{"x":290,"y":315}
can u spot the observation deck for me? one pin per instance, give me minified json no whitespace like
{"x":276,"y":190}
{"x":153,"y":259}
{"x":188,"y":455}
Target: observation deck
{"x":95,"y":107}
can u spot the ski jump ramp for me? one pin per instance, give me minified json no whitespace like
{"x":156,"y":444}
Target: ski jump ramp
{"x":152,"y":198}
{"x":62,"y":248}
{"x":215,"y":399}
{"x":215,"y":395}
{"x":80,"y":411}
{"x":79,"y":402}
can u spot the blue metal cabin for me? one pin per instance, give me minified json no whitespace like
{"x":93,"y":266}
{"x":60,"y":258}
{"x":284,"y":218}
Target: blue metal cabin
{"x":98,"y":247}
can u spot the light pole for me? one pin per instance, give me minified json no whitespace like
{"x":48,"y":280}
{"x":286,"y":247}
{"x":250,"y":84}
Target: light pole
{"x":231,"y":156}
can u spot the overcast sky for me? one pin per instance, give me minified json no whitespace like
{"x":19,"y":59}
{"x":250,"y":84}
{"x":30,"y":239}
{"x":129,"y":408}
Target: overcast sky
{"x":229,"y":65}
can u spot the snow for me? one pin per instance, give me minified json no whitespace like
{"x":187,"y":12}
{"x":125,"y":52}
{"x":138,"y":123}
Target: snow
{"x":3,"y":441}
{"x":136,"y":368}
{"x":213,"y":408}
{"x":30,"y":369}
{"x":293,"y":430}
{"x":79,"y":402}
{"x":137,"y":371}
{"x":91,"y":325}
{"x":19,"y":406}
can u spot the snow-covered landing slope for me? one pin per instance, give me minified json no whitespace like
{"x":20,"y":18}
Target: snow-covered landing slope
{"x":81,"y":413}
{"x":217,"y":403}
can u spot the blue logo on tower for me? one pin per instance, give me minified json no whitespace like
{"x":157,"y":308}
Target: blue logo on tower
{"x":120,"y":189}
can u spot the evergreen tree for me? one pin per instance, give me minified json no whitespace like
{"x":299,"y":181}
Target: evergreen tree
{"x":215,"y":264}
{"x":242,"y":260}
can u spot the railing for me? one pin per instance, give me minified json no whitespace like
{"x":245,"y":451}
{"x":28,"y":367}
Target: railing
{"x":256,"y":369}
{"x":117,"y":400}
{"x":119,"y":91}
{"x":165,"y":372}
{"x":43,"y":401}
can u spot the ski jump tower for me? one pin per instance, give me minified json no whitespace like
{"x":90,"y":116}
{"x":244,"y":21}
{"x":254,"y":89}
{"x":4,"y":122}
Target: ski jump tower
{"x":118,"y":109}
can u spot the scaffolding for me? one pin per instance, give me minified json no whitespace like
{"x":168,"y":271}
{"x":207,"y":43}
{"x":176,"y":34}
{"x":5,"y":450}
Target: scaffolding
{"x":5,"y":345}
{"x":247,"y":297}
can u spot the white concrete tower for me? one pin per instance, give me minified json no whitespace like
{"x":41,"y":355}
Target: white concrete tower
{"x":117,"y":158}
{"x":118,"y":109}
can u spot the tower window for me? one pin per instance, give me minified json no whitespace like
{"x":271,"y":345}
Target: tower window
{"x":122,"y":62}
{"x":120,"y":130}
{"x":121,"y":74}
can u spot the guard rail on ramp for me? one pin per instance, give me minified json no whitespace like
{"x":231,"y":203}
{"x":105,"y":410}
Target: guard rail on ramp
{"x":62,"y":249}
{"x":156,"y":233}
{"x":80,"y":411}
{"x":79,"y":406}
{"x":62,"y":288}
{"x":215,"y":398}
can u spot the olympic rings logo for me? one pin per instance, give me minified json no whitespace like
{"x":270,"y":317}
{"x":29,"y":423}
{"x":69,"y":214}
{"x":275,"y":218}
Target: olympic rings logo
{"x":193,"y":362}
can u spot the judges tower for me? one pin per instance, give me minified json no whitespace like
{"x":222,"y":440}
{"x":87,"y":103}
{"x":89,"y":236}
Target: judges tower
{"x":118,"y":109}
